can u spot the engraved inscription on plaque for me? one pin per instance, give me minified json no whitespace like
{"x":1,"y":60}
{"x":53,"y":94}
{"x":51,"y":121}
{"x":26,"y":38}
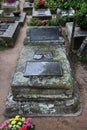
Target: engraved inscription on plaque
{"x":43,"y":68}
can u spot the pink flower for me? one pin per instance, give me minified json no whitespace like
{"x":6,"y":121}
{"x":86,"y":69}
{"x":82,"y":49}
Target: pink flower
{"x":4,"y":124}
{"x":29,"y":119}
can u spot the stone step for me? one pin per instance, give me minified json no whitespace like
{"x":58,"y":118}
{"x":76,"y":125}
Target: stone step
{"x":68,"y":107}
{"x":26,"y":94}
{"x":40,"y":97}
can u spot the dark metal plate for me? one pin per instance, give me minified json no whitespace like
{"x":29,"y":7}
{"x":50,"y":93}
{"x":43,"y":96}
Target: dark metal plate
{"x":41,"y":12}
{"x":43,"y":68}
{"x":42,"y":34}
{"x":4,"y":26}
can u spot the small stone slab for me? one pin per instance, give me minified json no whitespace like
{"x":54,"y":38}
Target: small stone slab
{"x":28,"y":7}
{"x":44,"y":36}
{"x":43,"y":68}
{"x":41,"y":13}
{"x":65,"y":13}
{"x":40,"y":34}
{"x":79,"y":35}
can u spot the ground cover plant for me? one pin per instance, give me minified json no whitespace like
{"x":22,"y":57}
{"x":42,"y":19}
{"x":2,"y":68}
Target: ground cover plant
{"x":39,"y":22}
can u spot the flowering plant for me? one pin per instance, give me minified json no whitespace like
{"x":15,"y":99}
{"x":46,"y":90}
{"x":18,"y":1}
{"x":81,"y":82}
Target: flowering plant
{"x":10,"y":1}
{"x":40,"y":4}
{"x":17,"y":123}
{"x":39,"y":22}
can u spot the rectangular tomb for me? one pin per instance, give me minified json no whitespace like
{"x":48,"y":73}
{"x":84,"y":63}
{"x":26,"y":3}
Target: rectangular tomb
{"x":41,"y":13}
{"x":79,"y":35}
{"x":28,"y":7}
{"x":43,"y":95}
{"x":45,"y":35}
{"x":65,"y":13}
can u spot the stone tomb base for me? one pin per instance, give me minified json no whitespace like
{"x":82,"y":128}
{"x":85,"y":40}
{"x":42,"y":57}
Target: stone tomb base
{"x":43,"y":95}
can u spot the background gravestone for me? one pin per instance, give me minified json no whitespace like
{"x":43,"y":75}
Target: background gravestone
{"x":83,"y":47}
{"x":78,"y":37}
{"x":41,"y":13}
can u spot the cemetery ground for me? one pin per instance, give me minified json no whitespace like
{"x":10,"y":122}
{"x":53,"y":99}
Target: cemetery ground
{"x":8,"y":62}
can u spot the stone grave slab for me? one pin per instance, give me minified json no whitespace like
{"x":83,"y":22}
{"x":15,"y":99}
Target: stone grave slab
{"x":45,"y":35}
{"x":61,"y":13}
{"x":79,"y":35}
{"x":28,"y":7}
{"x":42,"y":13}
{"x":43,"y":95}
{"x":10,"y":32}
